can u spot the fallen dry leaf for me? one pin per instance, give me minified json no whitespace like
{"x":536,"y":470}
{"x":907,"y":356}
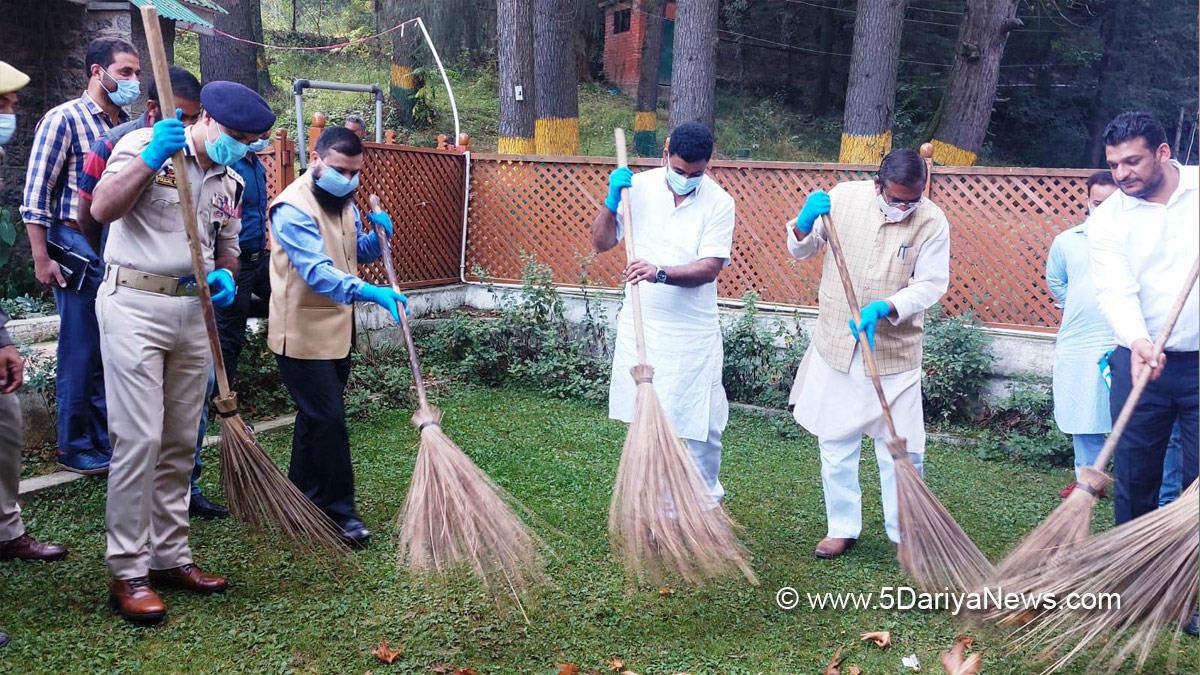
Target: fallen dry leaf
{"x":440,"y":668}
{"x":881,"y":638}
{"x":628,"y":672}
{"x":853,"y":670}
{"x":955,"y":661}
{"x":386,"y":654}
{"x":466,"y":671}
{"x":910,"y":661}
{"x":615,"y":663}
{"x":665,"y":591}
{"x":833,"y":668}
{"x":568,"y":669}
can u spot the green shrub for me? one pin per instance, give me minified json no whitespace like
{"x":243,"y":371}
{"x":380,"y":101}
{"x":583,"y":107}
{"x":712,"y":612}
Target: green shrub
{"x":756,"y":370}
{"x":955,"y":366}
{"x":1021,"y":429}
{"x":27,"y":307}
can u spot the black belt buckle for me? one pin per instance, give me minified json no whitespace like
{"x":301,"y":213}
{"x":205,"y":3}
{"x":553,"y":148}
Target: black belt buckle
{"x":252,"y":256}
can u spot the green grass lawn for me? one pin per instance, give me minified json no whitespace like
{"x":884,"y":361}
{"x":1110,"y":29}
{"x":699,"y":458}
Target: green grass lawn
{"x":282,"y":614}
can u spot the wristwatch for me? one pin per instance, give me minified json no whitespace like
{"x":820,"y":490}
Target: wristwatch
{"x":660,"y":276}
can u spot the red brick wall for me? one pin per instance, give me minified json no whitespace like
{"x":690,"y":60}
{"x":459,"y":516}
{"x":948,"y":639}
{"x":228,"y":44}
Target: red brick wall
{"x":622,"y":51}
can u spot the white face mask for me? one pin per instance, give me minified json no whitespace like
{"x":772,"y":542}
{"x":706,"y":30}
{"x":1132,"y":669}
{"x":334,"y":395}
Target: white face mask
{"x":894,"y":214}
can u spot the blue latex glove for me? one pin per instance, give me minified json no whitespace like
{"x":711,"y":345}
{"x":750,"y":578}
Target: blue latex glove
{"x":871,"y":314}
{"x":382,"y":219}
{"x":621,"y":177}
{"x":385,"y":297}
{"x":815,"y":206}
{"x":222,"y":287}
{"x":166,"y":138}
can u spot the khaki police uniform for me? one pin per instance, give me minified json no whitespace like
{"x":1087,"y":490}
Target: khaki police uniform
{"x":11,"y":526}
{"x":156,"y":354}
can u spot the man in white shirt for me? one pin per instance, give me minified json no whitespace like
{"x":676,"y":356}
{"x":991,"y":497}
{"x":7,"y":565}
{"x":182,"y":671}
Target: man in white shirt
{"x":683,"y":224}
{"x":1143,"y":245}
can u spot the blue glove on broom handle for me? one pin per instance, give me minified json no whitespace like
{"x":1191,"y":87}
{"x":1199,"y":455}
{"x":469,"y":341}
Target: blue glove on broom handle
{"x":621,"y":177}
{"x":166,"y":138}
{"x":815,"y":206}
{"x":870,"y":315}
{"x":385,"y":297}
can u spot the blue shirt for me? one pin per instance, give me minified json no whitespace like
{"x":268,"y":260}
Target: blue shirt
{"x":300,"y":238}
{"x":1084,"y":336}
{"x":254,"y":203}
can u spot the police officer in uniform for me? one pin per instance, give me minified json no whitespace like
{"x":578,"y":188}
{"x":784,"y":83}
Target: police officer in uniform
{"x":156,"y":356}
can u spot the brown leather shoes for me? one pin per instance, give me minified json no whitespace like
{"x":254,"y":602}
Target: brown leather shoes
{"x":26,"y":547}
{"x":832,"y":547}
{"x":190,"y":578}
{"x":136,"y":601}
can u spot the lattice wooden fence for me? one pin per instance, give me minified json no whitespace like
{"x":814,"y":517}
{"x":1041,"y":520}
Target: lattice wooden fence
{"x":421,"y":188}
{"x":1002,"y":222}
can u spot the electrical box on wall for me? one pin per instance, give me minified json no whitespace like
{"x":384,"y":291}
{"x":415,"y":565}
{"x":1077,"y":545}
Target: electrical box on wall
{"x":519,"y":92}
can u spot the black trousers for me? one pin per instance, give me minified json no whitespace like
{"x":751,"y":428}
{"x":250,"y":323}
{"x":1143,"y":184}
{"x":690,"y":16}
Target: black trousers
{"x":1138,"y":461}
{"x":320,"y":464}
{"x":253,"y":279}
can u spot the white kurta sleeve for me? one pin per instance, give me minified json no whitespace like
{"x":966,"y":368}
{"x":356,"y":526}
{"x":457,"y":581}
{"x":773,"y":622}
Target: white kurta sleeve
{"x":803,"y":249}
{"x":716,"y":236}
{"x":930,"y":279}
{"x":1116,"y":286}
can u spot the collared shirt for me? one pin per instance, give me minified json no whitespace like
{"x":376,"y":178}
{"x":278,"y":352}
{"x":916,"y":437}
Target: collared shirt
{"x":1081,"y":403}
{"x":60,"y":143}
{"x":254,"y":202}
{"x":97,"y":156}
{"x":300,"y":238}
{"x":151,"y":237}
{"x":1141,"y":253}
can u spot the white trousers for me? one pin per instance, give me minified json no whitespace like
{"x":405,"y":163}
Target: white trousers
{"x":843,"y":496}
{"x":707,"y":456}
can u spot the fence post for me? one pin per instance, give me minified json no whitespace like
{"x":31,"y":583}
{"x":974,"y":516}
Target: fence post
{"x":927,"y":157}
{"x":285,"y":158}
{"x":314,"y":130}
{"x":389,"y":136}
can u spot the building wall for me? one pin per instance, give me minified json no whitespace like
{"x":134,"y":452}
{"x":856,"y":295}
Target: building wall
{"x":623,"y":51}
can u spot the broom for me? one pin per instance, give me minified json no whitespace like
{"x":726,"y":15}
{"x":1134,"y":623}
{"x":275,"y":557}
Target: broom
{"x":258,"y":492}
{"x":454,"y":513}
{"x":1150,"y":561}
{"x":933,"y":549}
{"x":662,"y":518}
{"x":1069,"y":524}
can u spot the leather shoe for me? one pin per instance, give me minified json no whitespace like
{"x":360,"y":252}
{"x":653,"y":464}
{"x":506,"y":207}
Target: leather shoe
{"x":189,"y":577}
{"x":355,"y":533}
{"x":26,"y":547}
{"x":202,"y":507}
{"x":832,"y":547}
{"x":136,"y":601}
{"x":87,"y":462}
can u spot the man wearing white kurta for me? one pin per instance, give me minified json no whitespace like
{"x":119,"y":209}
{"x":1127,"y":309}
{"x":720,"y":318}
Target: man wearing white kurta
{"x":683,"y":239}
{"x":897,"y":248}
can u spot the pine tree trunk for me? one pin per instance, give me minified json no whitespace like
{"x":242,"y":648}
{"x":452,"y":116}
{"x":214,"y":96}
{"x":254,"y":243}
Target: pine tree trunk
{"x":224,"y":59}
{"x":972,"y":89}
{"x":556,"y":93}
{"x":820,"y":104}
{"x":514,"y":30}
{"x":694,"y":64}
{"x":1098,"y":118}
{"x":645,"y":122}
{"x":295,"y":13}
{"x":402,"y":83}
{"x":871,"y":91}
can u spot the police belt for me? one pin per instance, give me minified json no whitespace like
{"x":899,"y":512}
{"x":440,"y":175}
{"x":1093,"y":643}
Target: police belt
{"x":151,"y":283}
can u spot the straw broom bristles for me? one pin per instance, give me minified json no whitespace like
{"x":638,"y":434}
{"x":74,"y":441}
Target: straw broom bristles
{"x":1069,"y":524}
{"x":661,"y":519}
{"x":933,"y":549}
{"x":455,"y":515}
{"x":1151,"y":562}
{"x":257,"y":490}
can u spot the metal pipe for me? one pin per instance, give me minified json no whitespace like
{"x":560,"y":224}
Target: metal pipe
{"x":462,"y":254}
{"x":378,"y":115}
{"x":301,"y":147}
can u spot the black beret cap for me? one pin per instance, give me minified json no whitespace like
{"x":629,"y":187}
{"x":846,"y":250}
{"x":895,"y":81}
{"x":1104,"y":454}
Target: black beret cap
{"x":236,"y":107}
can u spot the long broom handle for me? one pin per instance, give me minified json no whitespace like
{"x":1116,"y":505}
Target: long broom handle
{"x":187,"y":205}
{"x":1139,"y":385}
{"x":835,"y":246}
{"x":635,"y":296}
{"x":389,"y":266}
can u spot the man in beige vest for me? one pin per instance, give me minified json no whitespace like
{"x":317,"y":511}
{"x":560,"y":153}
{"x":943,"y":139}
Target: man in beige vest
{"x":897,"y":248}
{"x":152,"y":337}
{"x":317,"y":241}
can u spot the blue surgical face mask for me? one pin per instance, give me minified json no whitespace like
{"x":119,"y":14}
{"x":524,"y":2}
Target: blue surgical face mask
{"x":259,"y":145}
{"x":126,"y":92}
{"x":225,"y":150}
{"x":8,"y":126}
{"x":680,"y":184}
{"x":332,"y":181}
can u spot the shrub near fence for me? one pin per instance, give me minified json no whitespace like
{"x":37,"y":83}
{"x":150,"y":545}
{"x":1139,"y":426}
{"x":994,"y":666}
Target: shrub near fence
{"x":1002,"y":222}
